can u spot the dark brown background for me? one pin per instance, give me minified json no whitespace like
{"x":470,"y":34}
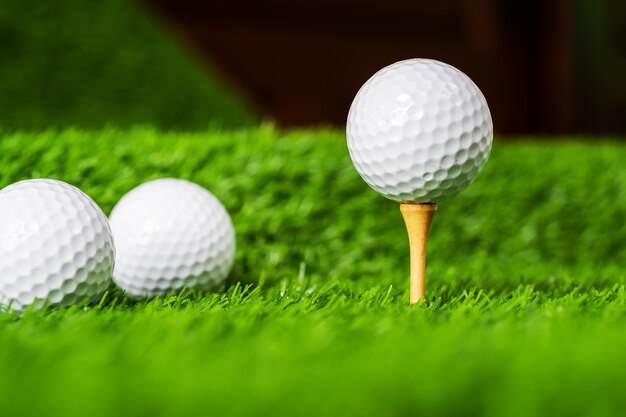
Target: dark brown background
{"x":545,"y":66}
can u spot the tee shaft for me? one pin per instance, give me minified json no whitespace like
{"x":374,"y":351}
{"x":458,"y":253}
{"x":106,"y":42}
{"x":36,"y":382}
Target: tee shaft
{"x":418,"y":218}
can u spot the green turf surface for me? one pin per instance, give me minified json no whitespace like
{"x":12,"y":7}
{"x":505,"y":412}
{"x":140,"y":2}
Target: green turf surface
{"x":100,"y":62}
{"x":525,"y":313}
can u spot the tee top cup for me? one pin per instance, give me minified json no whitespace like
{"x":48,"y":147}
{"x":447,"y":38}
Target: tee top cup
{"x":419,"y":131}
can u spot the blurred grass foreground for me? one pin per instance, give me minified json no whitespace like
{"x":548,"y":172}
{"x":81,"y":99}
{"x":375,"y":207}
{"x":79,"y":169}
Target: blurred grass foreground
{"x":94,"y":63}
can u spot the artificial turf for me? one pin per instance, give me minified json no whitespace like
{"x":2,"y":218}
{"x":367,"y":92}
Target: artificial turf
{"x":525,"y":313}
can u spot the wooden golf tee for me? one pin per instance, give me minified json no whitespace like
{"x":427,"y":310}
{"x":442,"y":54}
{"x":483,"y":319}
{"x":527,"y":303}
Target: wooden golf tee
{"x":418,"y":218}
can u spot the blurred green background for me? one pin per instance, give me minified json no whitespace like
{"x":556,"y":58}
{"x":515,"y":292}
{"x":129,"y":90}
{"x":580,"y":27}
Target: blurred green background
{"x":545,"y":67}
{"x":95,"y":63}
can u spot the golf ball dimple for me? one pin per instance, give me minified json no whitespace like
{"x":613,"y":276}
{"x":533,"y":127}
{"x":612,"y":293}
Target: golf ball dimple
{"x":171,"y":234}
{"x":419,"y":131}
{"x":55,"y":245}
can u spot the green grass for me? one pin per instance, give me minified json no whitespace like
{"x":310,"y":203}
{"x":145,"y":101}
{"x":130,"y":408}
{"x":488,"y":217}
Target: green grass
{"x":525,"y":313}
{"x":103,"y":62}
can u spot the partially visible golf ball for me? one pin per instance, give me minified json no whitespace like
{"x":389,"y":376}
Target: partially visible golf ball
{"x":171,"y":234}
{"x":419,"y":131}
{"x":55,"y":245}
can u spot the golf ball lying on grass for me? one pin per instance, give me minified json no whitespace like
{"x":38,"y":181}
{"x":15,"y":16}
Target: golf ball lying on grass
{"x":171,"y":234}
{"x":419,"y":131}
{"x":55,"y":245}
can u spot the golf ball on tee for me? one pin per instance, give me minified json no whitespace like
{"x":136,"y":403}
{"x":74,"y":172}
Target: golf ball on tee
{"x":171,"y":234}
{"x":55,"y":245}
{"x":419,"y":131}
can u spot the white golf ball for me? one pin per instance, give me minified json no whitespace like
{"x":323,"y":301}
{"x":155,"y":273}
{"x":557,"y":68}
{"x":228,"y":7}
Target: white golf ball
{"x":419,"y":131}
{"x":171,"y":234}
{"x":55,"y":245}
